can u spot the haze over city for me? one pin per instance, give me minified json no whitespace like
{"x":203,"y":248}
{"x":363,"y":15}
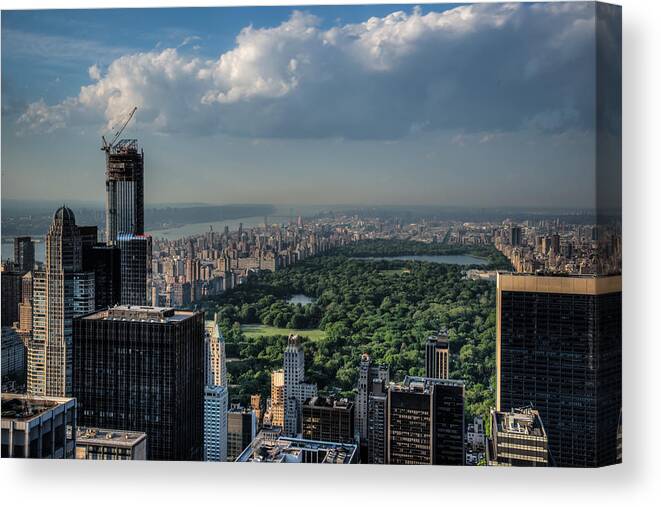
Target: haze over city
{"x":367,"y":104}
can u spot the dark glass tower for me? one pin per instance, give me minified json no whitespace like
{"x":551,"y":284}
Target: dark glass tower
{"x":142,"y":369}
{"x":559,"y":349}
{"x":426,"y":422}
{"x":104,"y":261}
{"x":135,"y":267}
{"x":24,"y":253}
{"x":329,"y":420}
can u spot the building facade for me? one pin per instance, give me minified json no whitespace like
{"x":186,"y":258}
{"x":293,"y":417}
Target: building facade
{"x":24,"y":253}
{"x":367,"y":373}
{"x":559,"y":348}
{"x":437,"y":356}
{"x":115,"y":445}
{"x":215,"y":423}
{"x":296,"y":390}
{"x":241,"y":430}
{"x":518,"y":438}
{"x":426,"y":422}
{"x":36,"y":426}
{"x":377,"y":423}
{"x":142,"y":369}
{"x":328,"y":420}
{"x":60,"y":292}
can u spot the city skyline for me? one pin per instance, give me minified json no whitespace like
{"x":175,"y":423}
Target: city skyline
{"x":390,"y":129}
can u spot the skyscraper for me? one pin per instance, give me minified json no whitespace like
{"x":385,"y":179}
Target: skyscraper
{"x":124,"y":190}
{"x":559,"y":348}
{"x":215,"y":394}
{"x":277,"y":407}
{"x":135,"y":262}
{"x":24,"y":253}
{"x":215,"y":363}
{"x":241,"y":430}
{"x":142,"y":369}
{"x":367,"y":373}
{"x":426,"y":422}
{"x":60,"y":292}
{"x":377,"y":423}
{"x":296,"y":389}
{"x":125,"y":221}
{"x":328,"y":420}
{"x":437,"y":356}
{"x":105,"y":262}
{"x":10,"y":279}
{"x":215,"y":423}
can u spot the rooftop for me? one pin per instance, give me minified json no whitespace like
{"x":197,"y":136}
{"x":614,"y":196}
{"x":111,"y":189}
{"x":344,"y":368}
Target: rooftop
{"x":266,"y":449}
{"x":116,"y":438}
{"x":329,"y":402}
{"x":23,"y":407}
{"x":141,"y":314}
{"x":524,"y":421}
{"x":424,"y":384}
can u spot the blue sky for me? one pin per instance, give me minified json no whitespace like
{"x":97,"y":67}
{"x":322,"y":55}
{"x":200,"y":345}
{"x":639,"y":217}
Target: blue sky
{"x":477,"y":105}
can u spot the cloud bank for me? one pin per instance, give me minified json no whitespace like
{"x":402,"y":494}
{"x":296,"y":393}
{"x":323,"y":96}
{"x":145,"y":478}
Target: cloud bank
{"x":479,"y":68}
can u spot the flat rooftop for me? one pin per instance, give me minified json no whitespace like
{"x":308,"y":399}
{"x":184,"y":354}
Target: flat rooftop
{"x":266,"y":449}
{"x":329,"y":402}
{"x":524,"y":421}
{"x":424,"y":384}
{"x":106,"y":437}
{"x":137,"y":313}
{"x":22,"y":407}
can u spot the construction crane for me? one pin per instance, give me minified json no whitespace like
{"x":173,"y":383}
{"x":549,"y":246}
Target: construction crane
{"x":107,"y":146}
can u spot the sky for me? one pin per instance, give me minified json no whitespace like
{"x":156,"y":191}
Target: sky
{"x":485,"y":105}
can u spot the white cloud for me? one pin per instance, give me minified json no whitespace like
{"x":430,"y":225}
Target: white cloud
{"x":475,"y":68}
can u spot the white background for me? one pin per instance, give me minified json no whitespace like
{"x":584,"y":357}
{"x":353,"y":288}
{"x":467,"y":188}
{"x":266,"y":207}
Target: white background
{"x":636,"y":482}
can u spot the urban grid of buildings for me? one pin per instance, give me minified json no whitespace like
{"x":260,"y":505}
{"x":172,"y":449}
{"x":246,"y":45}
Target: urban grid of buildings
{"x":100,"y":361}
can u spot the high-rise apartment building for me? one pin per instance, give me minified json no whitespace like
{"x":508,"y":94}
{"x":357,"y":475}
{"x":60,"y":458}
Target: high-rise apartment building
{"x":142,"y":369}
{"x":24,"y":253}
{"x":426,"y":422}
{"x":215,"y":362}
{"x":60,"y":292}
{"x":296,"y":389}
{"x":518,"y":438}
{"x":36,"y":426}
{"x":377,"y":423}
{"x":367,"y":373}
{"x":241,"y":430}
{"x":437,"y":356}
{"x":277,"y":407}
{"x":215,"y":422}
{"x":215,"y":393}
{"x":559,"y":349}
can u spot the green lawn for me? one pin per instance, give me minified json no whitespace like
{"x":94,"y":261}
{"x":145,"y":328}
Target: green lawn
{"x":262,"y":330}
{"x":395,"y":272}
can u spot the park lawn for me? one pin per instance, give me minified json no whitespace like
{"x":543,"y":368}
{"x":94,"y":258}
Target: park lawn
{"x":250,"y":330}
{"x":395,"y":271}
